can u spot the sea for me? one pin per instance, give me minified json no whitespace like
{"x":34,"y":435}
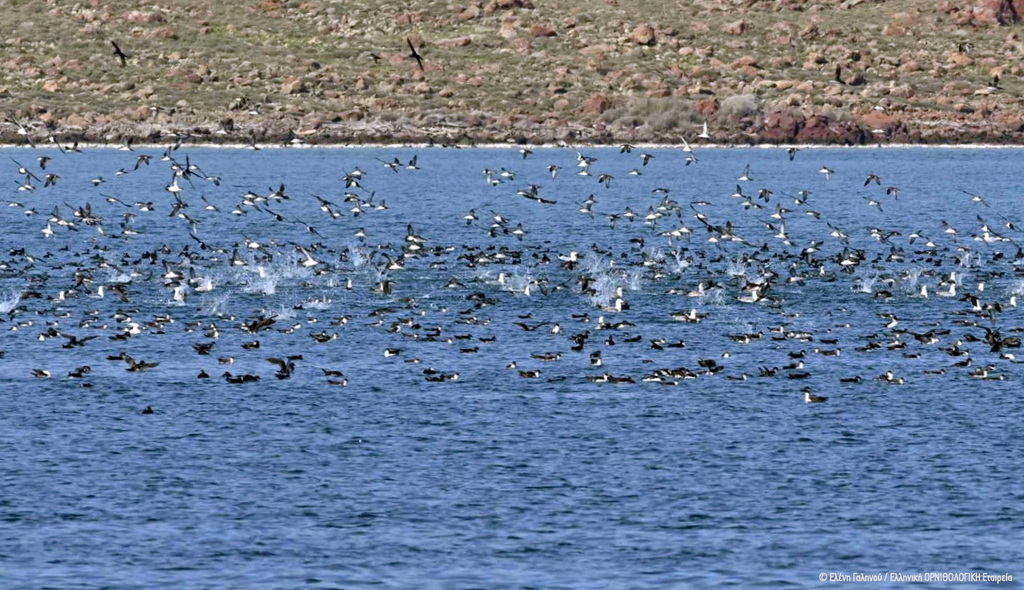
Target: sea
{"x":509,"y":368}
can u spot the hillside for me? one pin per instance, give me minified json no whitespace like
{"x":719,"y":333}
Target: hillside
{"x":850,"y":71}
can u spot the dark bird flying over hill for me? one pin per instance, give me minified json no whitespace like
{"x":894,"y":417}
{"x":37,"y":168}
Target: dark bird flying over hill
{"x":415,"y":55}
{"x":120,"y":54}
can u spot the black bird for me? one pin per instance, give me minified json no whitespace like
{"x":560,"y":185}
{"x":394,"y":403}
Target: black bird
{"x":415,"y":55}
{"x":119,"y":54}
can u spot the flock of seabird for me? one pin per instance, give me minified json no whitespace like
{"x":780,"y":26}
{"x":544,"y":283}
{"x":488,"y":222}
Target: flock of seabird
{"x":699,"y":258}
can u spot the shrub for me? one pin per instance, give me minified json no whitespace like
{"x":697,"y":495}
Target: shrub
{"x":738,"y":107}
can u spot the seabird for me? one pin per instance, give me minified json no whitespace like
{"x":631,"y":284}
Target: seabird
{"x":414,"y":54}
{"x":812,"y":399}
{"x":120,"y":55}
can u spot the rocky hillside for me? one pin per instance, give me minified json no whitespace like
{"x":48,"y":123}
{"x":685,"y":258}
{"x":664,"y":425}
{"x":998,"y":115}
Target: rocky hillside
{"x":825,"y":71}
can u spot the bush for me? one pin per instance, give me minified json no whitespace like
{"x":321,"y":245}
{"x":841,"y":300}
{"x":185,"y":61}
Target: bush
{"x":653,"y":115}
{"x":739,"y":107}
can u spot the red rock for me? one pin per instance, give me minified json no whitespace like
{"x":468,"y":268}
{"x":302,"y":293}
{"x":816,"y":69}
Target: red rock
{"x":745,"y":61}
{"x":961,"y":59}
{"x":508,"y":29}
{"x":999,"y":12}
{"x":782,"y":126}
{"x":643,"y":35}
{"x":879,"y":120}
{"x":735,"y":28}
{"x":597,"y":49}
{"x":539,"y":30}
{"x":469,"y":14}
{"x":521,"y":45}
{"x":143,"y":18}
{"x":456,"y":42}
{"x":496,"y":5}
{"x":270,"y":4}
{"x":165,"y":34}
{"x":706,"y":106}
{"x":77,"y":121}
{"x":816,"y":130}
{"x":137,"y":114}
{"x":293,"y":86}
{"x":894,"y":30}
{"x":819,"y":129}
{"x":809,"y":32}
{"x":597,"y":104}
{"x":856,"y":79}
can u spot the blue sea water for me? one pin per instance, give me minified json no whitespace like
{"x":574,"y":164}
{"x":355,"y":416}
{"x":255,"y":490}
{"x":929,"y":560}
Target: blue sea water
{"x":494,"y":479}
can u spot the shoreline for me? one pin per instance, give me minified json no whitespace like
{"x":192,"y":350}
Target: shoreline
{"x":543,"y":146}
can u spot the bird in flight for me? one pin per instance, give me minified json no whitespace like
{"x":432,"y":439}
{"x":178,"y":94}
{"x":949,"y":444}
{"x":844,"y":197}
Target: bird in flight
{"x":119,"y":54}
{"x":22,"y":131}
{"x":415,"y":55}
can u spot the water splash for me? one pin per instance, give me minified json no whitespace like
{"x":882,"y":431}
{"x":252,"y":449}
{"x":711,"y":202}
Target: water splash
{"x":12,"y":301}
{"x":319,"y":303}
{"x":912,"y":278}
{"x":865,"y":284}
{"x":520,"y":284}
{"x":358,"y":257}
{"x":634,"y":279}
{"x":216,"y":305}
{"x":712,"y":297}
{"x":680,"y":264}
{"x":736,"y":269}
{"x":594,"y":264}
{"x":967,"y":258}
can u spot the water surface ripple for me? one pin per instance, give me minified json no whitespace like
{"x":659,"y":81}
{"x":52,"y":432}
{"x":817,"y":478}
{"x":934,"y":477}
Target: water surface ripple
{"x":363,"y":470}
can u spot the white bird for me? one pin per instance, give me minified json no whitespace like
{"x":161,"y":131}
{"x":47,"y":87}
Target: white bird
{"x":746,"y":174}
{"x":704,"y":132}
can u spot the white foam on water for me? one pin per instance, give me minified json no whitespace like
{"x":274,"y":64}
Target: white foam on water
{"x":865,"y":284}
{"x":7,"y":305}
{"x":319,"y":303}
{"x":216,"y":304}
